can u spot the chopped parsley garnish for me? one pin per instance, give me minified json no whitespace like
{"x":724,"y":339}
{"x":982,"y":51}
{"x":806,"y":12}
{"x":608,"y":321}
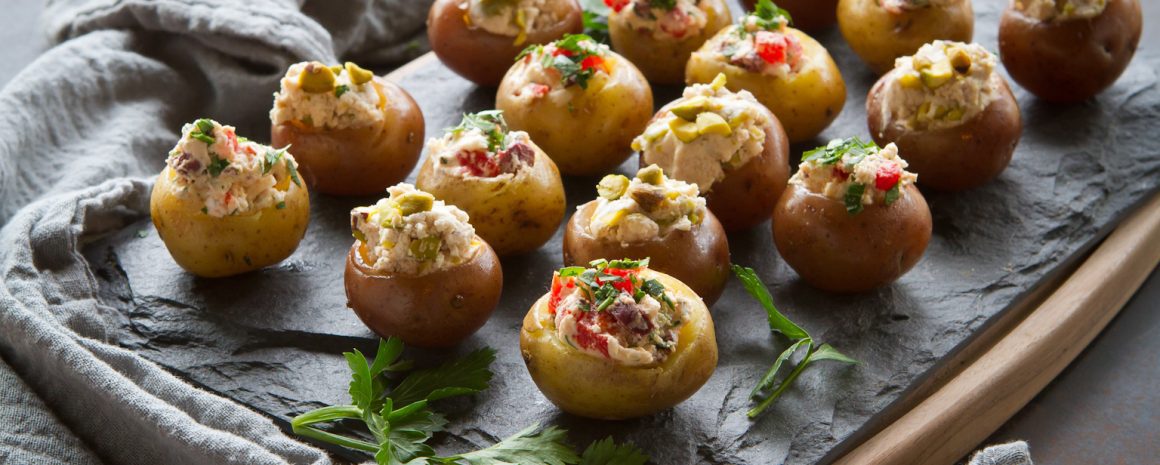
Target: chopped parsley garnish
{"x":853,"y":198}
{"x":666,"y":5}
{"x":571,"y":271}
{"x":203,"y":131}
{"x":893,"y":193}
{"x":341,"y":89}
{"x":623,"y":264}
{"x":834,"y":151}
{"x":490,"y":123}
{"x":594,"y":15}
{"x":577,"y":57}
{"x":769,"y":16}
{"x":216,"y":165}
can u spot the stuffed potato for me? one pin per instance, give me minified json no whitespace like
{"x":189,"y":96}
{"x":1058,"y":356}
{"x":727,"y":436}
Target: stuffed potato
{"x":726,"y":143}
{"x":881,"y":30}
{"x":658,"y":37}
{"x":505,"y":183}
{"x":808,"y":15}
{"x":851,"y":219}
{"x":353,"y":132}
{"x":788,"y":71}
{"x":478,"y":39}
{"x":950,"y":112}
{"x":1069,"y":50}
{"x":656,"y":218}
{"x":224,"y":205}
{"x":418,"y":271}
{"x":579,"y":101}
{"x":618,"y":341}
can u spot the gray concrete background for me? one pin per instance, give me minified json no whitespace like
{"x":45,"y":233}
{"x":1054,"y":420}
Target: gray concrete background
{"x":1104,"y":408}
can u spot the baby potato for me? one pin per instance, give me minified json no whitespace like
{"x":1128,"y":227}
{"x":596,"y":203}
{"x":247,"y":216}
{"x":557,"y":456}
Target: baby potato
{"x":805,"y":102}
{"x":594,"y":387}
{"x":360,"y":160}
{"x":1070,"y":59}
{"x":881,"y":30}
{"x":808,"y":15}
{"x":213,"y":247}
{"x":438,"y":309}
{"x":586,"y":129}
{"x":659,"y":55}
{"x":482,"y":56}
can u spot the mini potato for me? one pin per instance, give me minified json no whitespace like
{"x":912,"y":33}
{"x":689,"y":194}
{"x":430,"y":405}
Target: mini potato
{"x":655,"y":218}
{"x":658,"y":38}
{"x":1069,"y":56}
{"x":587,"y":371}
{"x":417,"y":270}
{"x":510,"y":188}
{"x":881,"y":30}
{"x":579,"y":101}
{"x":742,"y":171}
{"x":479,"y":39}
{"x":840,"y":230}
{"x":808,"y":15}
{"x":224,"y":207}
{"x":957,"y":130}
{"x":354,"y":133}
{"x":788,"y":71}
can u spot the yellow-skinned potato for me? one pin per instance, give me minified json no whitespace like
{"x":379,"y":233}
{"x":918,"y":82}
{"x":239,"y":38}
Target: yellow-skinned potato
{"x":880,"y":34}
{"x":657,"y":51}
{"x":805,"y":102}
{"x":217,"y":247}
{"x":595,"y":387}
{"x":514,"y":212}
{"x":586,"y":130}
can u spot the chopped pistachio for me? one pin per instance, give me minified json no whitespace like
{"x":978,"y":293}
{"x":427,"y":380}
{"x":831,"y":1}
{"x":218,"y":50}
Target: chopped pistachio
{"x":316,"y":79}
{"x":938,"y":74}
{"x":909,"y":80}
{"x":718,"y":82}
{"x":358,"y":75}
{"x":612,"y":187}
{"x":651,"y":174}
{"x":426,"y":248}
{"x":415,"y":202}
{"x":689,"y":109}
{"x":712,"y":123}
{"x":685,"y":131}
{"x":959,"y":60}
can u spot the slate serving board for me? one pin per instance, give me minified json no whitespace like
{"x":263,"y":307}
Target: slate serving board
{"x":273,"y":339}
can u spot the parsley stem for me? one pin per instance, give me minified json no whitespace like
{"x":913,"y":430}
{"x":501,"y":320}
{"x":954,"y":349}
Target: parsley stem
{"x":331,"y":413}
{"x":785,"y":384}
{"x":317,"y":434}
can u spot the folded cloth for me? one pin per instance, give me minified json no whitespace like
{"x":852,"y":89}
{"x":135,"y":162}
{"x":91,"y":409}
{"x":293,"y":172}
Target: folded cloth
{"x":1014,"y":453}
{"x":82,"y":130}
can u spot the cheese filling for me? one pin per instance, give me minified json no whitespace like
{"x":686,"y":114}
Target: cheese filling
{"x":943,"y":85}
{"x":649,"y":206}
{"x":548,"y":71}
{"x":676,"y":21}
{"x":231,"y":175}
{"x":1060,"y":10}
{"x":511,"y":18}
{"x":314,"y":95}
{"x":902,"y":6}
{"x":411,"y":233}
{"x":483,"y":147}
{"x":709,"y":131}
{"x":854,"y":172}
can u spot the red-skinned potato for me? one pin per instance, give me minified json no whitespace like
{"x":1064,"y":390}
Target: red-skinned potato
{"x":593,"y":387}
{"x":1070,"y":60}
{"x":482,"y":56}
{"x":362,"y":160}
{"x":957,"y":157}
{"x":662,"y":60}
{"x":838,"y":252}
{"x":438,"y":309}
{"x":698,"y":257}
{"x":879,"y":36}
{"x":808,"y":15}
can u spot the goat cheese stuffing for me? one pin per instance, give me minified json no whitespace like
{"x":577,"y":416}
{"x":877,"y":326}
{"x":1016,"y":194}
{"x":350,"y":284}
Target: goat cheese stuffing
{"x":314,"y":95}
{"x":482,"y":146}
{"x":854,"y":172}
{"x":647,"y":207}
{"x":411,"y":233}
{"x":761,"y":42}
{"x":510,"y":18}
{"x":708,"y":131}
{"x":611,"y":311}
{"x":1060,"y":10}
{"x":232,"y":175}
{"x":943,"y":85}
{"x":674,"y":20}
{"x":902,"y":6}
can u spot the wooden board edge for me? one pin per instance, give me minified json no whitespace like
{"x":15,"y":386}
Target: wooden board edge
{"x":966,"y":410}
{"x":399,"y":74}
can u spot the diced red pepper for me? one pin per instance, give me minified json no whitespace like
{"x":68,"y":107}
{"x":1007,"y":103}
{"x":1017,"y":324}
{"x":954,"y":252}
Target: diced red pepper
{"x":557,"y":51}
{"x":771,"y":46}
{"x":477,"y":163}
{"x":887,"y":176}
{"x":593,"y":61}
{"x":624,"y":285}
{"x":588,"y":339}
{"x":538,"y":90}
{"x":617,"y":5}
{"x":554,"y":300}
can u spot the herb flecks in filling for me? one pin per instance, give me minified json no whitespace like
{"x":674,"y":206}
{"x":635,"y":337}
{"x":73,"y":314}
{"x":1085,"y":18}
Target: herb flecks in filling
{"x":313,"y":95}
{"x":609,"y":310}
{"x":855,"y":173}
{"x":943,"y":85}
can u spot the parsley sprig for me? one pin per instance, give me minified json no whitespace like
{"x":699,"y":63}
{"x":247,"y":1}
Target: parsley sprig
{"x":853,"y":150}
{"x":401,"y":421}
{"x":768,"y":389}
{"x":490,"y":123}
{"x":767,"y":15}
{"x":594,"y":14}
{"x":577,"y":57}
{"x":203,"y":131}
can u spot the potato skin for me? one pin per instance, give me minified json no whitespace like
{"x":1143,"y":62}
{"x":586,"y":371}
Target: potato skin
{"x":359,"y":161}
{"x":805,"y":104}
{"x":596,"y":134}
{"x":593,"y":387}
{"x":745,"y":198}
{"x":1070,"y":61}
{"x":483,"y":57}
{"x":808,"y":15}
{"x":514,"y":216}
{"x":953,"y":158}
{"x":217,"y":247}
{"x":439,"y":309}
{"x":698,"y":257}
{"x":663,"y":61}
{"x":838,"y":252}
{"x":878,"y":36}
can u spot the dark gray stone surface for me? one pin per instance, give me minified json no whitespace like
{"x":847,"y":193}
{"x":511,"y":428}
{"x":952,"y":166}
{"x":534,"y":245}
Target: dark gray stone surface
{"x":272,"y":339}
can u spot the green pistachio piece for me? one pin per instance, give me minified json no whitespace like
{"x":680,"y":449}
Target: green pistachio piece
{"x":712,"y":123}
{"x":689,"y":109}
{"x":316,"y":79}
{"x":955,"y":114}
{"x":651,"y":174}
{"x":427,"y":248}
{"x":648,"y":199}
{"x":358,"y":75}
{"x":337,"y":69}
{"x":612,"y":187}
{"x":960,"y":61}
{"x":938,"y":74}
{"x":415,"y":202}
{"x":684,"y":130}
